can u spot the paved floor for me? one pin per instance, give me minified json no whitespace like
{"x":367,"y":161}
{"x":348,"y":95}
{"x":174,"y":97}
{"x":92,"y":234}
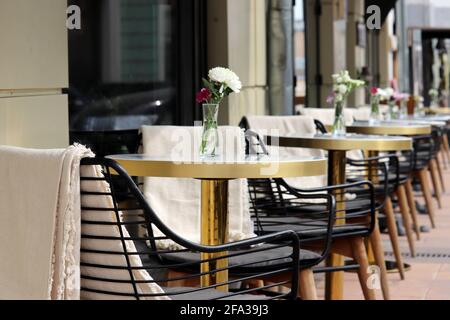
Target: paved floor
{"x":429,"y":277}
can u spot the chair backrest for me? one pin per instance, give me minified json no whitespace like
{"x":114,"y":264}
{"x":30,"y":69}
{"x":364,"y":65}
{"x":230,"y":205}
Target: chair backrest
{"x":120,"y":257}
{"x":423,"y":149}
{"x":327,"y":115}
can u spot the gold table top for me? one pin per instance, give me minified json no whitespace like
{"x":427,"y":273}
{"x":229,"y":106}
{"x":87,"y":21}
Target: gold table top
{"x":432,"y":118}
{"x":253,"y":167}
{"x":400,"y":128}
{"x":438,"y":110}
{"x":425,"y":121}
{"x":343,"y":143}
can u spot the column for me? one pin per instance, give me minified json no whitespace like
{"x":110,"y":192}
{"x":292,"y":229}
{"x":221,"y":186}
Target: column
{"x":326,"y":50}
{"x":237,"y":39}
{"x":356,"y":58}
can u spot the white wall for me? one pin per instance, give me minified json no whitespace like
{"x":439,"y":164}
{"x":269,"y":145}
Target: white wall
{"x":33,"y":70}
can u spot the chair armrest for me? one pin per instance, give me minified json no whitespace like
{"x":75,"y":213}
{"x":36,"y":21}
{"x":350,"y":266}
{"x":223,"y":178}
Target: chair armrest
{"x":365,"y":188}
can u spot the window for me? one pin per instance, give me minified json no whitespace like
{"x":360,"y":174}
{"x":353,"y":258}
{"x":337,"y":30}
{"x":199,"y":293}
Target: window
{"x":126,"y":68}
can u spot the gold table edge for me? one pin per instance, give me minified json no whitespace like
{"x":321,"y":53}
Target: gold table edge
{"x":168,"y":169}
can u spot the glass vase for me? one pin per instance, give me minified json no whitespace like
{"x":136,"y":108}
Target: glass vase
{"x":391,"y":114}
{"x":418,"y":109}
{"x":435,"y":102}
{"x":339,"y":128}
{"x":375,"y":115}
{"x":210,"y":135}
{"x":403,"y":110}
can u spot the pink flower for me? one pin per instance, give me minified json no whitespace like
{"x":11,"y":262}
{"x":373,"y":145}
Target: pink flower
{"x":203,"y":95}
{"x":401,"y":96}
{"x":374,"y":91}
{"x":330,"y":98}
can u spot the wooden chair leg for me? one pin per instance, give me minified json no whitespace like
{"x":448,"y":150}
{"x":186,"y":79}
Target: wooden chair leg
{"x":435,"y":182}
{"x":412,"y":207}
{"x":446,"y":147}
{"x":378,"y":252}
{"x":441,"y":174}
{"x":403,"y":204}
{"x":425,"y":183}
{"x":442,"y":154}
{"x":307,"y":285}
{"x":360,"y":255}
{"x":393,"y":235}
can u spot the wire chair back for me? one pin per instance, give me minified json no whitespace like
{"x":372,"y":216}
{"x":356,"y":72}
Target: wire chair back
{"x":127,"y":252}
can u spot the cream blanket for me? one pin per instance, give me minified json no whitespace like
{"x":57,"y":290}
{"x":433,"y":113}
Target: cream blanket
{"x":144,"y":285}
{"x":40,"y":223}
{"x":177,"y":201}
{"x":326,"y":115}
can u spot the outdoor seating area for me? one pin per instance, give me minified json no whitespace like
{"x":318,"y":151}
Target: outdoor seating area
{"x":194,"y":151}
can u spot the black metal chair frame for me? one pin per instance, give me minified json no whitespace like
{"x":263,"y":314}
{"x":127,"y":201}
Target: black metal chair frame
{"x":287,"y":266}
{"x":277,"y":201}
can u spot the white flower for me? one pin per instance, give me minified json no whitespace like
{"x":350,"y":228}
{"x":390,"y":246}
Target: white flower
{"x":226,"y":76}
{"x":342,"y":89}
{"x":433,"y":93}
{"x":388,"y":93}
{"x":339,"y":97}
{"x":336,"y":78}
{"x":381,"y":93}
{"x":346,"y":76}
{"x":235,"y":85}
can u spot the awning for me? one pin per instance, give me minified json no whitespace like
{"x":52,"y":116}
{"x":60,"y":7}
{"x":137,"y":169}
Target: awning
{"x":385,"y":6}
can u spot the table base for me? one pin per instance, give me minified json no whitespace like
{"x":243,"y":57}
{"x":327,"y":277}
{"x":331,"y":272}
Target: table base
{"x":334,"y":282}
{"x":214,"y":231}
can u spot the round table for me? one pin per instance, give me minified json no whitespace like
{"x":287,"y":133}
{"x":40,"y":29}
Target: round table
{"x":399,"y":128}
{"x":337,"y":147}
{"x":424,"y":121}
{"x":214,"y":174}
{"x":438,"y":110}
{"x":442,"y":117}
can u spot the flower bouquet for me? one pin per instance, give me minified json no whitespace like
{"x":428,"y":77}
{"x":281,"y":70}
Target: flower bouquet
{"x":403,"y":99}
{"x":375,"y":96}
{"x":221,"y":82}
{"x":434,"y":96}
{"x":418,"y":106}
{"x":343,"y":85}
{"x":388,"y":95}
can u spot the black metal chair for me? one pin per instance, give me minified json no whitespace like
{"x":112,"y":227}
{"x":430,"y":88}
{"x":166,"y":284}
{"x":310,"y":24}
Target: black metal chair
{"x":423,"y":147}
{"x":389,"y":181}
{"x":278,"y":206}
{"x":256,"y":268}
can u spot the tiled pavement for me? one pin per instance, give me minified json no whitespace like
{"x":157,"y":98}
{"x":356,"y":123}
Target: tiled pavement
{"x":429,"y":278}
